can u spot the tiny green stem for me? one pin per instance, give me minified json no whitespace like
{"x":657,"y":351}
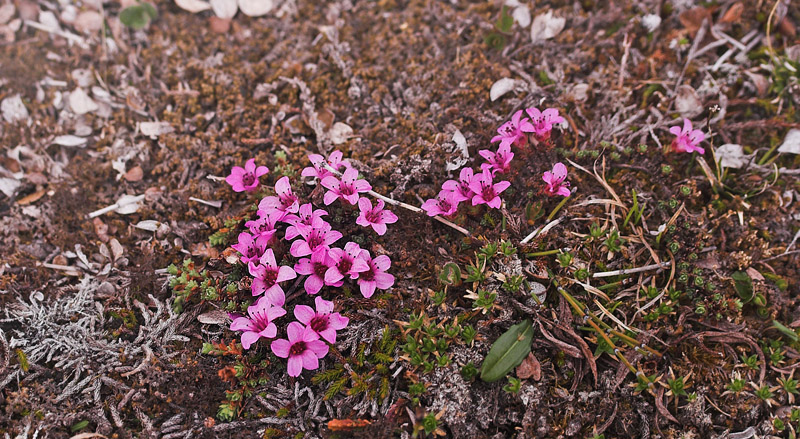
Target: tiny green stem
{"x":556,"y":209}
{"x":543,"y":253}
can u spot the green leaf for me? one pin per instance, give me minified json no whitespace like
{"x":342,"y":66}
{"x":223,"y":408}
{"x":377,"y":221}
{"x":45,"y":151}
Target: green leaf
{"x":79,"y":426}
{"x":508,"y":351}
{"x":138,"y":16}
{"x":743,"y":285}
{"x":785,"y":331}
{"x":450,"y":275}
{"x":505,"y":21}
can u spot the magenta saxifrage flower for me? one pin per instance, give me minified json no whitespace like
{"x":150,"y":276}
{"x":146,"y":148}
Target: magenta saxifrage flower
{"x":376,"y":277}
{"x":285,"y":200}
{"x":324,"y":322}
{"x":318,"y":169}
{"x":315,"y":267}
{"x":444,"y":204}
{"x":303,"y":348}
{"x":346,"y":263}
{"x":259,"y":323}
{"x":306,"y":215}
{"x":348,"y":188}
{"x":542,"y":121}
{"x":377,"y":216}
{"x":246,"y":179}
{"x":513,"y":132}
{"x":314,"y":237}
{"x":555,"y":181}
{"x":461,"y":187}
{"x":251,"y":247}
{"x":687,"y":140}
{"x":486,"y":191}
{"x":499,"y":161}
{"x":268,"y":276}
{"x":265,"y":224}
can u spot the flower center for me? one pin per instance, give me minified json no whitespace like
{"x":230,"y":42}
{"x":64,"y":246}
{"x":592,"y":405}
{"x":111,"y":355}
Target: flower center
{"x":373,"y":216}
{"x":314,"y":240}
{"x":270,"y":277}
{"x":488,"y":193}
{"x":297,"y":349}
{"x":248,"y":179}
{"x":368,"y":275}
{"x":346,"y":189}
{"x":444,"y":205}
{"x":252,"y":251}
{"x":344,"y":266}
{"x":319,"y":323}
{"x":320,"y":269}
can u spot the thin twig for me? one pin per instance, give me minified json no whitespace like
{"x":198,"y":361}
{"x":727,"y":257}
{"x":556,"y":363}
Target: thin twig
{"x":631,"y":270}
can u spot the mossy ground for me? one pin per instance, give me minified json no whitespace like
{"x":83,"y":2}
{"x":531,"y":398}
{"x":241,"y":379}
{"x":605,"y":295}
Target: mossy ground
{"x":405,"y":75}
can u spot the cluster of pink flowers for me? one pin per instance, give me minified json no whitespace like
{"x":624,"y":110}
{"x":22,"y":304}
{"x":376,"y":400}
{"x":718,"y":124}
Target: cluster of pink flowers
{"x":481,"y":188}
{"x":312,"y":239}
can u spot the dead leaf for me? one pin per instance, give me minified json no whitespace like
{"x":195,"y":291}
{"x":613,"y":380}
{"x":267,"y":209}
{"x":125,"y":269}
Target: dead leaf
{"x":204,"y":249}
{"x":193,"y":6}
{"x":9,"y":186}
{"x":733,"y":14}
{"x":692,"y":19}
{"x":662,"y":410}
{"x":13,"y":109}
{"x":224,"y":9}
{"x":546,"y":26}
{"x":340,"y":133}
{"x":6,"y":12}
{"x":754,"y":274}
{"x":69,"y":140}
{"x":219,"y":25}
{"x":81,"y":103}
{"x":731,"y":155}
{"x":116,"y":248}
{"x":134,"y":174}
{"x":501,"y":87}
{"x":88,"y":22}
{"x":760,"y":82}
{"x":128,"y":204}
{"x":155,"y":129}
{"x":32,"y":198}
{"x":791,"y":143}
{"x":215,"y":317}
{"x":530,"y":368}
{"x":101,"y":229}
{"x":687,"y":102}
{"x":787,"y":27}
{"x":255,"y":8}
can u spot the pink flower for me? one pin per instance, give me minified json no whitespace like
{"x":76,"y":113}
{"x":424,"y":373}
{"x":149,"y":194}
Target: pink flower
{"x":259,"y":324}
{"x":688,"y":140}
{"x":324,"y":322}
{"x":265,"y":224}
{"x":285,"y":201}
{"x":499,"y":161}
{"x":307,"y":215}
{"x":246,"y":179}
{"x":267,"y":277}
{"x":555,"y":180}
{"x":251,"y":247}
{"x":303,"y":348}
{"x":314,"y":237}
{"x":346,"y":263}
{"x":444,"y":204}
{"x":318,"y":169}
{"x":486,"y":191}
{"x":377,"y":217}
{"x":461,"y":187}
{"x":542,"y":121}
{"x":347,"y":189}
{"x":315,"y":268}
{"x":376,"y":276}
{"x":513,"y":132}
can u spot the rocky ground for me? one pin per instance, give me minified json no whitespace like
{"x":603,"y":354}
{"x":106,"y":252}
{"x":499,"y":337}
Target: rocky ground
{"x":685,"y":265}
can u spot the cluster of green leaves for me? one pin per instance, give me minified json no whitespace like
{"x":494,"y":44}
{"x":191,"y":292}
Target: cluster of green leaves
{"x":427,"y":341}
{"x":187,"y":284}
{"x":497,"y":39}
{"x":370,"y":372}
{"x":225,"y":235}
{"x":138,"y":16}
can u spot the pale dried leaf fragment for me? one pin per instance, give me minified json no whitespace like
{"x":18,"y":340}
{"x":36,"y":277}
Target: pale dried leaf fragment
{"x":128,"y":204}
{"x":522,"y":15}
{"x":501,"y":87}
{"x":7,"y":11}
{"x":70,"y":140}
{"x":546,"y":26}
{"x":791,"y":143}
{"x":530,"y":368}
{"x":687,"y":102}
{"x":9,"y":186}
{"x":193,"y":6}
{"x":224,"y":8}
{"x":88,"y":22}
{"x":255,"y":8}
{"x":149,"y":225}
{"x":215,"y":317}
{"x":155,"y":129}
{"x":463,"y":153}
{"x":13,"y":109}
{"x":731,"y":155}
{"x":81,"y":103}
{"x":340,"y":133}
